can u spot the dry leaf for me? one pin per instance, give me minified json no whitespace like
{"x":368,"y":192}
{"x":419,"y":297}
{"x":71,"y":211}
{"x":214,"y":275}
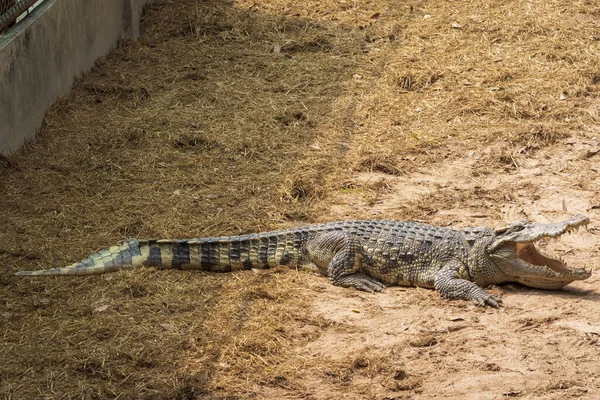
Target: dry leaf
{"x":101,"y":309}
{"x":591,"y":153}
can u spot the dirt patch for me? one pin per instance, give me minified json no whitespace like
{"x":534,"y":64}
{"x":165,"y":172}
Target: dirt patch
{"x":228,"y":118}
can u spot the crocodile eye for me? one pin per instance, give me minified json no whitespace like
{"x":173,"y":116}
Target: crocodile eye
{"x":511,"y":228}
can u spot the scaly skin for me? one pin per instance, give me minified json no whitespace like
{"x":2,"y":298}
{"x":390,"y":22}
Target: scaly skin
{"x":364,"y":254}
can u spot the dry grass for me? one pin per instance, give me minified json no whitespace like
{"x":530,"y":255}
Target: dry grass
{"x":224,"y":119}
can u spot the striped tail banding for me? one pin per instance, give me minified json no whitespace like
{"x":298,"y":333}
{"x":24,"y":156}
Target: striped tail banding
{"x":217,"y":254}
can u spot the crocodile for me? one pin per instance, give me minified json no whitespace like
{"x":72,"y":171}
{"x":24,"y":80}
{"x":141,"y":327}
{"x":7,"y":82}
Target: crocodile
{"x":366,"y":255}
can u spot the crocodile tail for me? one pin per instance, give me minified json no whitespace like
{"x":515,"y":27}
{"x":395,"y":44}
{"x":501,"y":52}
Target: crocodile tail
{"x":219,"y":254}
{"x":127,"y":255}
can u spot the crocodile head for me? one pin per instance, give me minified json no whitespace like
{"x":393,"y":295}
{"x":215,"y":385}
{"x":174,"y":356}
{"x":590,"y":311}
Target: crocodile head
{"x":513,"y":250}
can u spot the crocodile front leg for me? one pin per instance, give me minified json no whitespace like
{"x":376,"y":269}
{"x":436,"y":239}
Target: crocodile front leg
{"x":340,"y":257}
{"x":451,"y":286}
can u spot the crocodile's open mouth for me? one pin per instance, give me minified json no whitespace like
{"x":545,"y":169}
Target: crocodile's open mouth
{"x":530,"y":254}
{"x":527,"y":252}
{"x":515,"y":254}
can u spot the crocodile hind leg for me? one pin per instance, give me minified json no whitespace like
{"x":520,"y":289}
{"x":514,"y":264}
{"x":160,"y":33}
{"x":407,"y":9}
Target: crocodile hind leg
{"x":340,"y":256}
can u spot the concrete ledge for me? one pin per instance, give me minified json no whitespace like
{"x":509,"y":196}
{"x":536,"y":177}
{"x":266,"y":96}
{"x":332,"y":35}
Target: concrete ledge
{"x":41,"y":57}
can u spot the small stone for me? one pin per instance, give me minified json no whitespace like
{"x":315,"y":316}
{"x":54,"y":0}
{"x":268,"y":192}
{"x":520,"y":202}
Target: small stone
{"x":167,"y":327}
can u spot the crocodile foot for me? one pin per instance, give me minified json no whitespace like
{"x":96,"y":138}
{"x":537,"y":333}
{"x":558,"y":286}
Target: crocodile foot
{"x":485,"y":299}
{"x":360,"y":282}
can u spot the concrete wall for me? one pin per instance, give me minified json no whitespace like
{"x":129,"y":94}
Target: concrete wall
{"x":41,"y":57}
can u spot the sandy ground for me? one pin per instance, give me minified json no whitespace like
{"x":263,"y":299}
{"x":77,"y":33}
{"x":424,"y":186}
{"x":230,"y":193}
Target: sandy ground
{"x":227,"y":118}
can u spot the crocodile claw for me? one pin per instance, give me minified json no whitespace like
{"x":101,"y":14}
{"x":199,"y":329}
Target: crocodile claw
{"x":360,"y":282}
{"x":489,"y":300}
